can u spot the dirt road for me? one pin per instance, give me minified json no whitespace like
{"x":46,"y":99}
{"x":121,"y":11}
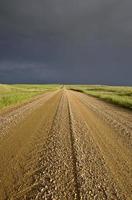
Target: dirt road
{"x":66,"y":146}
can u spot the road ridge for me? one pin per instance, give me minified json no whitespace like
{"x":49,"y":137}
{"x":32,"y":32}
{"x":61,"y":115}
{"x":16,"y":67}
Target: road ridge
{"x":73,"y":150}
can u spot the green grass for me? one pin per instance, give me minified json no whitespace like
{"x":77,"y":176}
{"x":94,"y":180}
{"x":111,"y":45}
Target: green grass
{"x":119,"y":95}
{"x":11,"y":95}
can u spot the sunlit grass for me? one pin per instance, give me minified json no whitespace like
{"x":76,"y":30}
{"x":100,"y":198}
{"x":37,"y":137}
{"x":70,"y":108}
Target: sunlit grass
{"x":119,"y":95}
{"x":18,"y":93}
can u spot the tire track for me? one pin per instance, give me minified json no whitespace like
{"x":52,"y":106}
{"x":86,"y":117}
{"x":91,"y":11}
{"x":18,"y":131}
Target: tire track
{"x":26,"y":192}
{"x":94,"y":178}
{"x":19,"y":142}
{"x":55,"y":173}
{"x":117,"y":119}
{"x":115,"y":158}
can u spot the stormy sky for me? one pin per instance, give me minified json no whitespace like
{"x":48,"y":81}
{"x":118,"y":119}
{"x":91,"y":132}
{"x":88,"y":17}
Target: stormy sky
{"x":66,"y":41}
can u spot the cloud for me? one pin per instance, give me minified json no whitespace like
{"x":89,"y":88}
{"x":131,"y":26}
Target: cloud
{"x":68,"y":40}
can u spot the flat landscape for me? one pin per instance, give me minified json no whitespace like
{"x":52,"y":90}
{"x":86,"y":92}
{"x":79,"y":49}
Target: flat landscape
{"x":65,"y":143}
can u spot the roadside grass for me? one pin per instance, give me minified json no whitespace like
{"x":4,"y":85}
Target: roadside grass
{"x":11,"y":95}
{"x":119,"y":95}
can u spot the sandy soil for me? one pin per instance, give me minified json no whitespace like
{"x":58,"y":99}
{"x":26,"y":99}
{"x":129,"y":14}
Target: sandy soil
{"x":66,"y":146}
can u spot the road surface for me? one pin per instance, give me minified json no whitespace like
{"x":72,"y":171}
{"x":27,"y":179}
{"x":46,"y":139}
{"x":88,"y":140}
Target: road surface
{"x":66,"y":145}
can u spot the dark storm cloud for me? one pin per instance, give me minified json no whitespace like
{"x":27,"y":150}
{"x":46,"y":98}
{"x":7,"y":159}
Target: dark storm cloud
{"x":87,"y":41}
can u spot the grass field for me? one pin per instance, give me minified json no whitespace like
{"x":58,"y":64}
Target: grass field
{"x":11,"y":95}
{"x":15,"y":94}
{"x":119,"y":95}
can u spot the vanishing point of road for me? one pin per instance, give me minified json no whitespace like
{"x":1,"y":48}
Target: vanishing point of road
{"x":65,"y":145}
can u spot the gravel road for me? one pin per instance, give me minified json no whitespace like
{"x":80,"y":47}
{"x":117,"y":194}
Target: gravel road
{"x":66,"y":145}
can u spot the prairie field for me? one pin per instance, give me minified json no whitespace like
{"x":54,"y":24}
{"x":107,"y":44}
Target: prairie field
{"x":64,"y":143}
{"x":119,"y":95}
{"x":18,"y":93}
